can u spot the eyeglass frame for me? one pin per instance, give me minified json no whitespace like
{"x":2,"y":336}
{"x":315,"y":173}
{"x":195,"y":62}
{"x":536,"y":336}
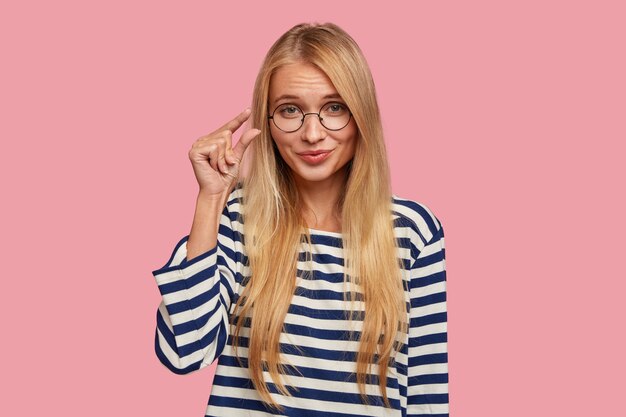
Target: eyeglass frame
{"x":304,"y":115}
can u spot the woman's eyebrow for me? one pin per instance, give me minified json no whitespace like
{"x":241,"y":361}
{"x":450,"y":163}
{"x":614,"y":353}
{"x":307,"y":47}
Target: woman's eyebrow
{"x":291,"y":96}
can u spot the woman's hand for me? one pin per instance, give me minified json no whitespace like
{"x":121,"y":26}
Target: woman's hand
{"x":215,"y":162}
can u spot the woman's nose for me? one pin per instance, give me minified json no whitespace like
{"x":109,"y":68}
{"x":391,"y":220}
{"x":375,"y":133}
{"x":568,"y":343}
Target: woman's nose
{"x":313,"y":131}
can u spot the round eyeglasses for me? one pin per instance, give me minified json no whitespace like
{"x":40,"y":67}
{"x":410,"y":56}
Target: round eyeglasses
{"x":289,"y":117}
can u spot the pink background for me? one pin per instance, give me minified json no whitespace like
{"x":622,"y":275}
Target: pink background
{"x":508,"y":121}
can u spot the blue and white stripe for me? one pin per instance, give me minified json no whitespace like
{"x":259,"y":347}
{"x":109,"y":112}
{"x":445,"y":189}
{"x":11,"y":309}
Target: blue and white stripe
{"x":199,"y":296}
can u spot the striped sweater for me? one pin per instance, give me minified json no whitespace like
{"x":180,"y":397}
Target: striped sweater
{"x":198,"y":297}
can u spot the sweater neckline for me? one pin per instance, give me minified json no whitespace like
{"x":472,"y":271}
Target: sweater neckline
{"x":324,"y":232}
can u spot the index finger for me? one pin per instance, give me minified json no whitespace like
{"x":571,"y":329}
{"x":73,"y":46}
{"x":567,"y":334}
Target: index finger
{"x":237,"y":121}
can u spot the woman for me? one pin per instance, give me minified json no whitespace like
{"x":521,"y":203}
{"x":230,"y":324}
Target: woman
{"x":317,"y":290}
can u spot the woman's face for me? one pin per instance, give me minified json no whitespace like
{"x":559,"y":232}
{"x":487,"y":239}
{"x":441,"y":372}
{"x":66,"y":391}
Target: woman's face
{"x":316,"y":155}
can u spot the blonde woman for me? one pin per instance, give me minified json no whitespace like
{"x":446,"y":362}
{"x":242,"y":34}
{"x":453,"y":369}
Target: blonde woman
{"x":318,"y":291}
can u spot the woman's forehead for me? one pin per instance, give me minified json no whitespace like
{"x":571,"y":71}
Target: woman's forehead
{"x":300,"y":81}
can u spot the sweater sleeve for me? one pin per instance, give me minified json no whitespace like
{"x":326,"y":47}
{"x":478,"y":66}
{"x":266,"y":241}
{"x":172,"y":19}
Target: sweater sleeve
{"x":192,"y":322}
{"x":427,"y":391}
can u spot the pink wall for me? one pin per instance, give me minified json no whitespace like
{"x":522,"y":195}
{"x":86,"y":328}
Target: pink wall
{"x":507,"y":121}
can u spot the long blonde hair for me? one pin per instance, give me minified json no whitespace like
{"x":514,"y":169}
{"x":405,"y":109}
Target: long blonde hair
{"x":273,"y":222}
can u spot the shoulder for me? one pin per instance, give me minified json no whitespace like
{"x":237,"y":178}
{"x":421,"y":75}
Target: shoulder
{"x":417,"y":219}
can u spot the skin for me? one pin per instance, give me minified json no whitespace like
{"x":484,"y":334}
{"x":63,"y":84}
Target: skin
{"x":320,"y":184}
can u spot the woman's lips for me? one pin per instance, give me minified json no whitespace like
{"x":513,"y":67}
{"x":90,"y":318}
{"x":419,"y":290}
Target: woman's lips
{"x":315,"y":157}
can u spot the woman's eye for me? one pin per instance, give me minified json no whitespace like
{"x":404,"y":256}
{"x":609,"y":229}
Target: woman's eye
{"x":289,"y":110}
{"x":335,"y":108}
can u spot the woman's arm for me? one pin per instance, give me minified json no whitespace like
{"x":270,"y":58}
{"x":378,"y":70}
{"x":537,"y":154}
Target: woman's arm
{"x":198,"y":282}
{"x":197,"y":290}
{"x":206,"y":220}
{"x":427,"y":392}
